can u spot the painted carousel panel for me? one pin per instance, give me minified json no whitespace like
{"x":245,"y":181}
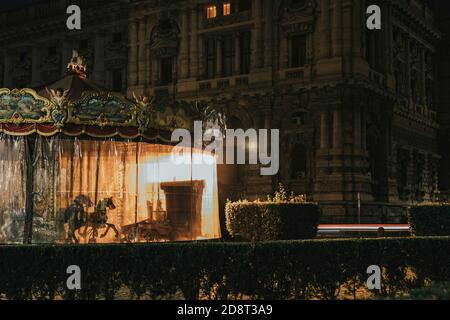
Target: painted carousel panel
{"x":102,"y":109}
{"x":23,"y":106}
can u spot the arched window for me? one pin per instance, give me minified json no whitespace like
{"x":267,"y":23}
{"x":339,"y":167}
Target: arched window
{"x":164,"y":49}
{"x":298,"y":3}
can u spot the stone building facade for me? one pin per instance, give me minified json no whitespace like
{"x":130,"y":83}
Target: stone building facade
{"x":442,"y":9}
{"x":36,"y":44}
{"x":356,"y":108}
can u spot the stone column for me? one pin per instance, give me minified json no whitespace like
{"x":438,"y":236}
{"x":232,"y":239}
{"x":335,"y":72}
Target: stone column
{"x":426,"y":177}
{"x":142,"y":60}
{"x":184,"y":46}
{"x":357,"y":128}
{"x":276,"y":44}
{"x":357,"y":31}
{"x":268,"y":47}
{"x":324,"y":29}
{"x":201,"y":58}
{"x":219,"y":57}
{"x":435,"y":160}
{"x":7,"y":80}
{"x":148,"y":71}
{"x":256,"y":35}
{"x":337,"y":28}
{"x":323,"y":130}
{"x":36,"y":67}
{"x":155,"y":72}
{"x":194,"y":44}
{"x":99,"y":58}
{"x":148,"y":55}
{"x":133,"y":58}
{"x":268,"y":118}
{"x":347,"y":28}
{"x":423,"y":78}
{"x":337,"y":129}
{"x":237,"y":53}
{"x":363,"y":128}
{"x":268,"y":126}
{"x":284,"y":52}
{"x":389,"y":38}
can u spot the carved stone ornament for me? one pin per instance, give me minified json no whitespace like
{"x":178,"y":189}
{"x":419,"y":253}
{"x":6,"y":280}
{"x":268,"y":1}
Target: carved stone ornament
{"x":164,"y":39}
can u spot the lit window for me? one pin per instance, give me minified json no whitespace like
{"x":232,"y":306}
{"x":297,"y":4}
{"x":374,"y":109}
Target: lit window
{"x":211,"y":12}
{"x":226,"y":9}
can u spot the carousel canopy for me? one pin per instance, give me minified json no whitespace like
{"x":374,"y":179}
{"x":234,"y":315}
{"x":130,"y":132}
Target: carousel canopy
{"x":74,"y":105}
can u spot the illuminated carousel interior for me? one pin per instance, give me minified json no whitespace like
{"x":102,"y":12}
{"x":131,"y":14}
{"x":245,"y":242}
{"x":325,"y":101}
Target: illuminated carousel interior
{"x":80,"y":164}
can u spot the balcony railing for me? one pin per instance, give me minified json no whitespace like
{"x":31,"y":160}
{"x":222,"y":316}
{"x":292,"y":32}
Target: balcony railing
{"x":293,"y":74}
{"x":223,"y":83}
{"x":238,"y":17}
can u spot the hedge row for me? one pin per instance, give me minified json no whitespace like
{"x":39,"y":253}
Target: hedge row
{"x":430,"y":219}
{"x":268,"y":221}
{"x":313,"y":269}
{"x":432,"y":291}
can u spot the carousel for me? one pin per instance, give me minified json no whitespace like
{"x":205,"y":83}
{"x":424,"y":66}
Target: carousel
{"x":80,"y":164}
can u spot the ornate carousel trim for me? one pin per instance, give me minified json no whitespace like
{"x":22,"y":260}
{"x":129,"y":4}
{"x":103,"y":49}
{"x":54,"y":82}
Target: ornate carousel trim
{"x":21,"y":130}
{"x":99,"y":114}
{"x":24,"y":106}
{"x":102,"y":109}
{"x":71,"y":130}
{"x":24,"y":111}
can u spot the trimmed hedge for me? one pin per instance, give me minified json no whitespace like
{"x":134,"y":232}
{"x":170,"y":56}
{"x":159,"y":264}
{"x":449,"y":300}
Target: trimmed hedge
{"x":433,"y":291}
{"x":268,"y":221}
{"x":430,"y":219}
{"x":312,"y":269}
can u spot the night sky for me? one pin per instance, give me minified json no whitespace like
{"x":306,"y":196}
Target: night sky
{"x":13,"y":4}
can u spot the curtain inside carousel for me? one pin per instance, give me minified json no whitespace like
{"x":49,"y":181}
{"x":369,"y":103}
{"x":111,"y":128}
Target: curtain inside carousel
{"x":12,"y":189}
{"x":106,"y":191}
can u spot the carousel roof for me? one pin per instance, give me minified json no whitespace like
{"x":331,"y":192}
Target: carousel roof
{"x":74,"y":83}
{"x":75,"y":86}
{"x":75,"y":105}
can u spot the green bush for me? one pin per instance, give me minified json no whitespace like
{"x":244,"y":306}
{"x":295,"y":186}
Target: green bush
{"x":433,"y":291}
{"x":279,"y":217}
{"x":430,"y":219}
{"x":265,"y":221}
{"x":308,"y":269}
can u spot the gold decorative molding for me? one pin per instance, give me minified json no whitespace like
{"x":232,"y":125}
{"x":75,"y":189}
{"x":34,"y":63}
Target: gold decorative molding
{"x":102,"y":109}
{"x":24,"y":106}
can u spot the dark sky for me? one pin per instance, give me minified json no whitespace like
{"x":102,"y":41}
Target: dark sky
{"x":13,"y":4}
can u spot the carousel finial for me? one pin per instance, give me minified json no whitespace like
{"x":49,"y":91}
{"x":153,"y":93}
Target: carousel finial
{"x":77,"y":65}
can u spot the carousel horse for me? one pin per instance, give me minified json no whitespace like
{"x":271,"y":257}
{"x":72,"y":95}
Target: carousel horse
{"x":99,"y":219}
{"x":76,"y":217}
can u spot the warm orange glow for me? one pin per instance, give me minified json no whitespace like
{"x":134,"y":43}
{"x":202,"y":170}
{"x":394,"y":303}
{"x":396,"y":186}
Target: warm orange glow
{"x":226,"y":9}
{"x":211,"y":12}
{"x":139,"y":186}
